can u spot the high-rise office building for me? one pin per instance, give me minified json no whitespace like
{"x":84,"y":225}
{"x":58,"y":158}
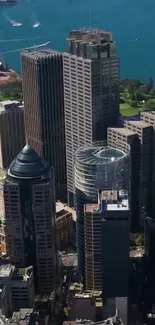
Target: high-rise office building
{"x":149,"y":117}
{"x":3,"y":248}
{"x":145,"y":135}
{"x":29,"y":198}
{"x":91,"y":92}
{"x":12,"y":132}
{"x":97,"y":168}
{"x":106,"y":231}
{"x":44,"y":110}
{"x":119,"y":138}
{"x":139,"y":136}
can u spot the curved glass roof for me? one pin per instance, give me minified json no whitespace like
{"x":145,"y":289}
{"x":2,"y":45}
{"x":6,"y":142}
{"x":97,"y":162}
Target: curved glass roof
{"x":99,"y":155}
{"x":28,"y":164}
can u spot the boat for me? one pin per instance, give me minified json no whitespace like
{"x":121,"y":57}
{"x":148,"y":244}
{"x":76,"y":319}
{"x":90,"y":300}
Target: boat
{"x":36,"y":25}
{"x":17,"y":24}
{"x":8,"y":2}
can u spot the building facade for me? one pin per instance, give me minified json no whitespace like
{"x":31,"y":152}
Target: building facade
{"x":64,"y":227}
{"x":149,"y":117}
{"x":97,"y":168}
{"x":29,"y":197}
{"x":12,"y":131}
{"x":121,"y":138}
{"x":140,"y":137}
{"x":91,"y":92}
{"x":17,"y":289}
{"x":3,"y":248}
{"x":44,"y":108}
{"x":145,"y":135}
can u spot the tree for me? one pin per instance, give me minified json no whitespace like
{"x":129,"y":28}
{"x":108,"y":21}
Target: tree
{"x":134,"y":103}
{"x":139,"y":240}
{"x":12,"y":90}
{"x":152,"y":92}
{"x":150,"y":84}
{"x":143,"y":89}
{"x":150,"y":104}
{"x":126,"y":83}
{"x":131,"y":91}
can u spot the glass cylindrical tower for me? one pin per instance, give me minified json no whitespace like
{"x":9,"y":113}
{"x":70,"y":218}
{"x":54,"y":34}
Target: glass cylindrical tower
{"x":97,"y":168}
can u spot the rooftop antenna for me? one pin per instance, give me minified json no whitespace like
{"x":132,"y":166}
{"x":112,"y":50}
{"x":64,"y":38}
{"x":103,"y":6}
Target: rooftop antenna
{"x":90,"y":18}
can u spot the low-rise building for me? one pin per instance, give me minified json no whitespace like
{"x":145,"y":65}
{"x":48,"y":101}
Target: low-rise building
{"x":25,"y":316}
{"x":109,"y":321}
{"x":84,"y":305}
{"x":64,"y":226}
{"x":17,"y":289}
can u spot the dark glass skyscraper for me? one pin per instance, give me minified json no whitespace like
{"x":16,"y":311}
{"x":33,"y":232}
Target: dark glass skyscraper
{"x":44,"y":110}
{"x":29,"y":199}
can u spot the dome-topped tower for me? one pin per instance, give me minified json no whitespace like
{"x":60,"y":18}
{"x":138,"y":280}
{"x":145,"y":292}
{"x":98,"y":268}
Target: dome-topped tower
{"x":28,"y":164}
{"x":29,"y":196}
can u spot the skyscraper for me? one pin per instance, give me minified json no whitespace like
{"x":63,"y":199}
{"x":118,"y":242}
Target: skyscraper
{"x":91,"y":92}
{"x":102,"y":176}
{"x":119,"y":138}
{"x":139,"y":135}
{"x":29,"y":199}
{"x":145,"y":135}
{"x":98,"y":169}
{"x":12,"y":131}
{"x":149,"y":117}
{"x":44,"y":110}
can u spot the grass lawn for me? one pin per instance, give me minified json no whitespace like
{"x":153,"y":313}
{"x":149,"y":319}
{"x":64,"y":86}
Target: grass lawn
{"x":127,"y":110}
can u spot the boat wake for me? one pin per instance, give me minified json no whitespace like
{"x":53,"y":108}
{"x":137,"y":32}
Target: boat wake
{"x":135,"y":40}
{"x":13,"y":22}
{"x":8,"y":40}
{"x":27,"y":48}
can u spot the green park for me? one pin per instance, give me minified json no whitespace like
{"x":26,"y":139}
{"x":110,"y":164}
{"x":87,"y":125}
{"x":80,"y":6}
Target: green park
{"x":136,"y":96}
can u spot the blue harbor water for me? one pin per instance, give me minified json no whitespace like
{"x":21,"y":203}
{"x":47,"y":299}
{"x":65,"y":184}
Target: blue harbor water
{"x":127,"y":19}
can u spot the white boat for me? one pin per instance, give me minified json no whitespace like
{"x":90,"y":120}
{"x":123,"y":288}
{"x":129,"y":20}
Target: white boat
{"x":17,"y":24}
{"x":36,"y":25}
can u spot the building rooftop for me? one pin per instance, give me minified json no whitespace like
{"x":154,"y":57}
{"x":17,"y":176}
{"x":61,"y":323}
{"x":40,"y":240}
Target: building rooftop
{"x":28,"y":164}
{"x":109,"y":321}
{"x":109,"y":201}
{"x":40,"y":53}
{"x":22,"y":317}
{"x":63,"y":206}
{"x":7,"y":105}
{"x":140,"y":124}
{"x":76,"y":286}
{"x":123,"y":131}
{"x":137,"y":252}
{"x":60,"y":206}
{"x":148,"y":113}
{"x":5,"y":270}
{"x":99,"y":155}
{"x":88,"y":294}
{"x":90,"y":36}
{"x":91,"y":208}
